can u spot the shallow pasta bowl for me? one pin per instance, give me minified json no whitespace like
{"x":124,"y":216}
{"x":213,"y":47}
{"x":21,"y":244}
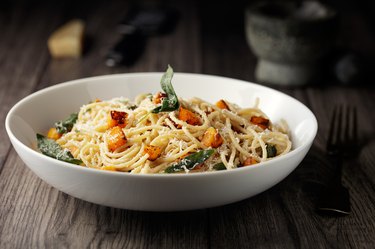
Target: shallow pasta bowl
{"x":157,"y":192}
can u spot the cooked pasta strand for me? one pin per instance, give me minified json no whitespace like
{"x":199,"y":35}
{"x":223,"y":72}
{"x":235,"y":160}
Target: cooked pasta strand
{"x":174,"y":138}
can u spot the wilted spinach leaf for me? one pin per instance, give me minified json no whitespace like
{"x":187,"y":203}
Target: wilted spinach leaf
{"x":271,"y":150}
{"x":170,"y":103}
{"x":52,"y":149}
{"x":219,"y":166}
{"x":190,"y":161}
{"x":66,"y":125}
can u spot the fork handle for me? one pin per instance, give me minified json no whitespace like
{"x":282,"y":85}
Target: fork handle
{"x":337,"y":163}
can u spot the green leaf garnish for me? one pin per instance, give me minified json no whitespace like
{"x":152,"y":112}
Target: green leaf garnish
{"x":66,"y":125}
{"x":190,"y":161}
{"x":219,"y":166}
{"x":52,"y":149}
{"x":170,"y":103}
{"x":133,"y":107}
{"x":271,"y":150}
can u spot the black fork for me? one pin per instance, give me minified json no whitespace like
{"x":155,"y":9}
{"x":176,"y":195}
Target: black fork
{"x":341,"y":146}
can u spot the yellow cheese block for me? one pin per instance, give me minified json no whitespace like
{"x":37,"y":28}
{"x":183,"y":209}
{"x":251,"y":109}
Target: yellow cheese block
{"x":67,"y":41}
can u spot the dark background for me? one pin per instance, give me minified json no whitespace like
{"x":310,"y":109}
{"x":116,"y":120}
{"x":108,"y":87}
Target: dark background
{"x":221,"y":28}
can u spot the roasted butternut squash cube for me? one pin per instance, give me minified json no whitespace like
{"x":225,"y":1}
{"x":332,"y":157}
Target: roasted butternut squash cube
{"x":212,"y":138}
{"x":115,"y":138}
{"x":111,"y":122}
{"x":117,"y":118}
{"x":188,"y":116}
{"x":249,"y":161}
{"x":153,"y":152}
{"x":222,"y":105}
{"x":260,"y":121}
{"x":53,"y":134}
{"x":158,"y":97}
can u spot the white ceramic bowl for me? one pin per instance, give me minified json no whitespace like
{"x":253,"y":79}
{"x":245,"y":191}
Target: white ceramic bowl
{"x":158,"y":192}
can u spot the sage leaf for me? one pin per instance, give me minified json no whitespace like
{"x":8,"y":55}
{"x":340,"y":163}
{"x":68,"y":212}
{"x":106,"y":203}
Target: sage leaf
{"x":170,"y":103}
{"x":50,"y":148}
{"x":219,"y":166}
{"x":190,"y":161}
{"x":66,"y":125}
{"x":271,"y":150}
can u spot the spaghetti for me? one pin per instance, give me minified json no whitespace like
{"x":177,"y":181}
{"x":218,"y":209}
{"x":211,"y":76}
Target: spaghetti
{"x":121,"y":135}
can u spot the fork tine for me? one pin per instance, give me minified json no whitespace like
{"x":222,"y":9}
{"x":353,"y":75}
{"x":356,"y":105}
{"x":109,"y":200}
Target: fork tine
{"x":355,"y":126}
{"x":331,"y":129}
{"x":334,"y":131}
{"x":348,"y":146}
{"x":352,"y":147}
{"x":348,"y":124}
{"x":339,"y":126}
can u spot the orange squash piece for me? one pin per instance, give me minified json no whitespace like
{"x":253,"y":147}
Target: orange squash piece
{"x":153,"y":152}
{"x":260,"y":121}
{"x":249,"y":161}
{"x":212,"y":138}
{"x":158,"y":97}
{"x":117,"y":119}
{"x":53,"y":134}
{"x":115,"y":138}
{"x":222,"y":105}
{"x":188,"y":116}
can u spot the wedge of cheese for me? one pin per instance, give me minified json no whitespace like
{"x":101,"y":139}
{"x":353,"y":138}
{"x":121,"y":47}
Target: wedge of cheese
{"x":67,"y":41}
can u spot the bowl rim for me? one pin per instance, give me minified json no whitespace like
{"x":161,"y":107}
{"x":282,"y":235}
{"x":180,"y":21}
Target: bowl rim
{"x":87,"y":80}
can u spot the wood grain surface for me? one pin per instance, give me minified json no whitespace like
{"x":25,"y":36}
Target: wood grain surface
{"x":208,"y":39}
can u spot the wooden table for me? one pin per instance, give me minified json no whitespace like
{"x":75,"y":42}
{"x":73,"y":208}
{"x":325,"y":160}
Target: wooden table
{"x":208,"y":39}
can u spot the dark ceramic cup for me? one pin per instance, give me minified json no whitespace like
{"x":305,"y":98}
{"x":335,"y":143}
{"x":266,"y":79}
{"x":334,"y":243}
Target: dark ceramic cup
{"x":289,"y":39}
